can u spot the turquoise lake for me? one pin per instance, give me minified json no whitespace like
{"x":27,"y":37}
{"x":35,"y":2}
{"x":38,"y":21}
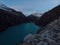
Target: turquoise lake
{"x":15,"y":34}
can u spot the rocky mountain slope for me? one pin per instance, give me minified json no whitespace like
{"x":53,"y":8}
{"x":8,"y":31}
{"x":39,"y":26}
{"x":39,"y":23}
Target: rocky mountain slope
{"x":10,"y":17}
{"x":49,"y":16}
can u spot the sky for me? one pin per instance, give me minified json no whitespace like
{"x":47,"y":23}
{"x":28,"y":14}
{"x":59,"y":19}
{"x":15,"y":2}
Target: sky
{"x":31,"y":6}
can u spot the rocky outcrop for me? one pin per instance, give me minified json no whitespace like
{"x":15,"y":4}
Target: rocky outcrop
{"x":49,"y":16}
{"x":10,"y":18}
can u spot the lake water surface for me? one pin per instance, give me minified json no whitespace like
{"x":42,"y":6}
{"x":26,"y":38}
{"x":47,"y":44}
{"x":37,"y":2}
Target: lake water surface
{"x":17,"y":33}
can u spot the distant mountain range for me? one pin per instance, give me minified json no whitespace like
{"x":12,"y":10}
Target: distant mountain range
{"x":34,"y":17}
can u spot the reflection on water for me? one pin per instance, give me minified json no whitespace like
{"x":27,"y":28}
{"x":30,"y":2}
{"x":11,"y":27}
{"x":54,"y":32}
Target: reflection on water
{"x":15,"y":34}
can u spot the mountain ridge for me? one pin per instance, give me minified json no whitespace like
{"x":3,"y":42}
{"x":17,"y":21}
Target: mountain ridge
{"x":10,"y":18}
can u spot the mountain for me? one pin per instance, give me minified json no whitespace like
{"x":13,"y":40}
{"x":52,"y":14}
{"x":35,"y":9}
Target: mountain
{"x":10,"y":17}
{"x":49,"y":16}
{"x":33,"y":17}
{"x":37,"y":14}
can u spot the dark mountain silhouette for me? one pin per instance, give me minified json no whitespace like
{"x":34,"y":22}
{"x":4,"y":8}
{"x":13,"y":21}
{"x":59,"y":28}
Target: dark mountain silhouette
{"x":32,"y":18}
{"x":10,"y":17}
{"x":49,"y":16}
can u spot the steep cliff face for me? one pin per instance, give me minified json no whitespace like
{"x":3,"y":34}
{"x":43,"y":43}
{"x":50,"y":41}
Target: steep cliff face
{"x":10,"y":17}
{"x":49,"y":16}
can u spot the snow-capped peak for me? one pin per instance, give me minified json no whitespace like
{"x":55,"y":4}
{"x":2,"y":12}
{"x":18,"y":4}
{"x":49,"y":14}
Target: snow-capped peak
{"x":2,"y":6}
{"x":37,"y":14}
